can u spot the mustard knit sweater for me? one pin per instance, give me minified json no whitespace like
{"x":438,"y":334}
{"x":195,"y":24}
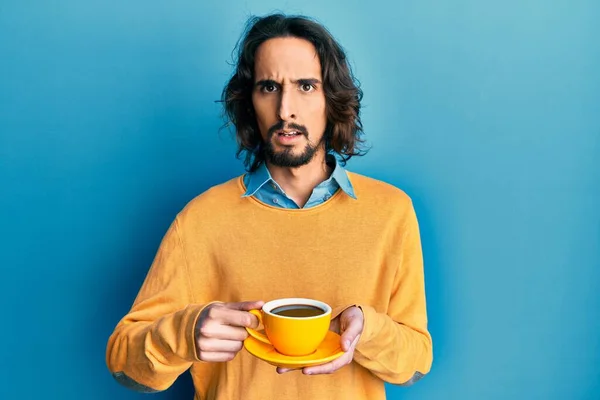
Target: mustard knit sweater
{"x":222,"y":247}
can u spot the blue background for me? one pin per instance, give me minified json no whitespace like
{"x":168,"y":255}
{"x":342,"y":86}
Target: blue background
{"x":486,"y":113}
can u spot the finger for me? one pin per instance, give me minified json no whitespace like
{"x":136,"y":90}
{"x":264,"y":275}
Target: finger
{"x":351,"y":333}
{"x":330,"y":367}
{"x":211,"y":345}
{"x":334,"y":325}
{"x":284,"y":370}
{"x":334,"y":365}
{"x":353,"y":345}
{"x":216,"y":356}
{"x":224,"y":332}
{"x":228,"y":316}
{"x":245,"y":305}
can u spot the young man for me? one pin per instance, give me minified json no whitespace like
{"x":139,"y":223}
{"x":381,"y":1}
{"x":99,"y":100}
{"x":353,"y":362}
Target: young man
{"x":297,"y":225}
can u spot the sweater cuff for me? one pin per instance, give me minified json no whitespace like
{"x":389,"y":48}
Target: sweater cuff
{"x":337,"y":311}
{"x":371,"y":324}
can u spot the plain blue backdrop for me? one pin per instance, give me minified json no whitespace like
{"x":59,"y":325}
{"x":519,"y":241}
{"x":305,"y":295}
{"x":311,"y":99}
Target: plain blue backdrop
{"x":486,"y":113}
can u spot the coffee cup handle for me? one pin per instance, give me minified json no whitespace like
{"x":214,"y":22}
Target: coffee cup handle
{"x":257,"y":335}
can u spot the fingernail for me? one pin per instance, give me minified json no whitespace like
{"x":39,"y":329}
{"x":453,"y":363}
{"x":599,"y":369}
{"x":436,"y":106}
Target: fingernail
{"x":347,"y":343}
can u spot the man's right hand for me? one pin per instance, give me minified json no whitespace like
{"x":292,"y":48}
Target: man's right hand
{"x":220,"y":329}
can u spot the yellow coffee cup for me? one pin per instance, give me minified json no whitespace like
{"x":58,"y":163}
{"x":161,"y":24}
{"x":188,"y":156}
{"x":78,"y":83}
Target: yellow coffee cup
{"x":293,"y":326}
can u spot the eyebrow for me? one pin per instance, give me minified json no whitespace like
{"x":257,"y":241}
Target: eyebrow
{"x":301,"y":81}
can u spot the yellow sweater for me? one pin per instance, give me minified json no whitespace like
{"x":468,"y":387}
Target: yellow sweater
{"x":222,"y":247}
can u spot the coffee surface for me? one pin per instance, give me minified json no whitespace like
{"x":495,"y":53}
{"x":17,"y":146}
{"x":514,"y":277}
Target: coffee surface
{"x":298,"y":311}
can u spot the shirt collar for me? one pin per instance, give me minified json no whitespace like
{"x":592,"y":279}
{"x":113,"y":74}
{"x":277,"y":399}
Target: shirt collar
{"x":340,"y":176}
{"x":262,"y":176}
{"x":257,"y":179}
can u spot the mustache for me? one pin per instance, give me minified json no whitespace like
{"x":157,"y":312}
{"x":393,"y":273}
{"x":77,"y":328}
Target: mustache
{"x":280,"y":125}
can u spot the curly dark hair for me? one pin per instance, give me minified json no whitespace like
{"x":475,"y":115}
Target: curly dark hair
{"x":342,"y":93}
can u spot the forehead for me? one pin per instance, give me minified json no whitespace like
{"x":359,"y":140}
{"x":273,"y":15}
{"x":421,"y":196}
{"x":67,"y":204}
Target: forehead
{"x":286,"y":58}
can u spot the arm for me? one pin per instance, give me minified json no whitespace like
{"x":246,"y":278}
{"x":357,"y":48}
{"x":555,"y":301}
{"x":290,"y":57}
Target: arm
{"x":154,"y":343}
{"x":395,"y":345}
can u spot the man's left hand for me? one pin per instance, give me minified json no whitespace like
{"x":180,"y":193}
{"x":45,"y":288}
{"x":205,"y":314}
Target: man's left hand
{"x":349,"y":325}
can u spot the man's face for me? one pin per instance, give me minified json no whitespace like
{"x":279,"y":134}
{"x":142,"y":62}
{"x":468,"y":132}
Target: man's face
{"x":289,"y":101}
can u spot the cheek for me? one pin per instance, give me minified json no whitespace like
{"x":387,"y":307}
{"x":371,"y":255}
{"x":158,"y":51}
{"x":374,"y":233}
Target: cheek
{"x":263,"y":113}
{"x":316,"y":104}
{"x":263,"y":109}
{"x":319,"y":114}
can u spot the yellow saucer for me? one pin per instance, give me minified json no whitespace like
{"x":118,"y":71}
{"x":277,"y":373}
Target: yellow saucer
{"x":328,"y":351}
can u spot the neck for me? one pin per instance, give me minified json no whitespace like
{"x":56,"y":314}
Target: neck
{"x":299,"y":182}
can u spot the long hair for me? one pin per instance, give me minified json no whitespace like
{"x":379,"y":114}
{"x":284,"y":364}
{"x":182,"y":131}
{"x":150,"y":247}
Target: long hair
{"x":342,"y":94}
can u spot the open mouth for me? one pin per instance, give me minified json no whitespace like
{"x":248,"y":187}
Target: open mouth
{"x":289,"y":134}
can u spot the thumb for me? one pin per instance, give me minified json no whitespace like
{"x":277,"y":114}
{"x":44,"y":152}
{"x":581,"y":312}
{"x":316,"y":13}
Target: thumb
{"x":351,"y":333}
{"x":246,"y":305}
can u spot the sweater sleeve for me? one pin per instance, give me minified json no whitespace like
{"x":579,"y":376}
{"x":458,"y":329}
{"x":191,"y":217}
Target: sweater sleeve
{"x":395,"y":345}
{"x":154,"y":343}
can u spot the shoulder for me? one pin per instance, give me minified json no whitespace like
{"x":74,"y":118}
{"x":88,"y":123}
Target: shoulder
{"x":384,"y":202}
{"x":214,"y":200}
{"x":372,"y":189}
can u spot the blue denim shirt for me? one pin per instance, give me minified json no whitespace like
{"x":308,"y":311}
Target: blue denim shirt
{"x":261,"y":185}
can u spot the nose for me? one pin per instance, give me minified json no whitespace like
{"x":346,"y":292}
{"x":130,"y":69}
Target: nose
{"x":287,"y":110}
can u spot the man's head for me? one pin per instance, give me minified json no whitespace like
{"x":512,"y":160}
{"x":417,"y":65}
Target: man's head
{"x":292,"y":95}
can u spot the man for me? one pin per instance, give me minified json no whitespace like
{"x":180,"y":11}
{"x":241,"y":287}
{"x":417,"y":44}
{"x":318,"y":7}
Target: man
{"x":296,"y":225}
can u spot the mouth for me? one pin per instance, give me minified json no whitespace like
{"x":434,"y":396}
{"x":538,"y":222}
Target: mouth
{"x":288,"y":133}
{"x":287,"y":137}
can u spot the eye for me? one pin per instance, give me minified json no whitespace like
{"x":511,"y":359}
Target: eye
{"x":269,"y":88}
{"x":307,"y":87}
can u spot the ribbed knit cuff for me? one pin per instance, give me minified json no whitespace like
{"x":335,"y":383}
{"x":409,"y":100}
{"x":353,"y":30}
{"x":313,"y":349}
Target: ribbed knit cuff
{"x":371,"y":324}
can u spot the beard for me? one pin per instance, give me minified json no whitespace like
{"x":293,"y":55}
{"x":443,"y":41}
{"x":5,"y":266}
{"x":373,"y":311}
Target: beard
{"x":286,"y":157}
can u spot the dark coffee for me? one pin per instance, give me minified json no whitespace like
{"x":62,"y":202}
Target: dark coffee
{"x":298,"y":311}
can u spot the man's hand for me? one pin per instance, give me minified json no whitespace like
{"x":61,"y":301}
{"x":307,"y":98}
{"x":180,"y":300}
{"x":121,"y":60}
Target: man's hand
{"x":349,"y":325}
{"x":220,"y":329}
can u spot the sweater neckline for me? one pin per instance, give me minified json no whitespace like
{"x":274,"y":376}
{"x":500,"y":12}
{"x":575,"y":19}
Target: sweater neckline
{"x":303,"y":211}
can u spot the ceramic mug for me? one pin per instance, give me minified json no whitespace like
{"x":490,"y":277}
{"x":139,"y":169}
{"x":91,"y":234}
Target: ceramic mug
{"x":293,"y":326}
